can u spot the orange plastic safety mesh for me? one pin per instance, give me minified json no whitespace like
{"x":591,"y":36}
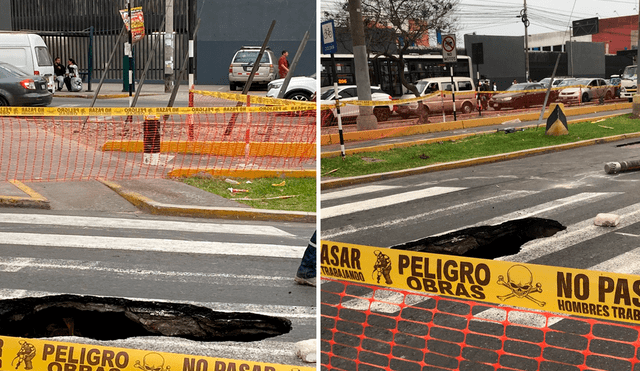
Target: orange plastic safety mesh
{"x":372,"y":328}
{"x":113,"y":147}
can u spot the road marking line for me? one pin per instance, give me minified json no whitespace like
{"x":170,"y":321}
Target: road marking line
{"x":379,"y":202}
{"x":97,"y":222}
{"x":355,"y":191}
{"x":16,"y":264}
{"x":430,"y":215}
{"x":150,"y":244}
{"x":627,"y":234}
{"x":574,"y":234}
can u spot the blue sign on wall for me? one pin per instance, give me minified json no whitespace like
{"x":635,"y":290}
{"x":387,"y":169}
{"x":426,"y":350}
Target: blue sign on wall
{"x":329,"y":43}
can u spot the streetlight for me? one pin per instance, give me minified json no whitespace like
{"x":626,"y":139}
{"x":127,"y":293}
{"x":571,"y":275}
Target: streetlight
{"x":525,"y":20}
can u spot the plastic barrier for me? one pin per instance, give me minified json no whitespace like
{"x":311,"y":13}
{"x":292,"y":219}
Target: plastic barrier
{"x":388,"y":309}
{"x":51,"y":144}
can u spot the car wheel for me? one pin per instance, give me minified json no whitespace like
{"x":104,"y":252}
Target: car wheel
{"x":497,"y":108}
{"x":232,"y":86}
{"x":3,"y":102}
{"x":585,"y":98}
{"x":467,"y":108}
{"x":298,"y":96}
{"x":381,"y":113}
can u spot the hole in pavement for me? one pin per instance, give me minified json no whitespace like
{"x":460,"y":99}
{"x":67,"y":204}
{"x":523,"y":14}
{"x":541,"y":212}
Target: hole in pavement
{"x":103,"y":318}
{"x":487,"y":242}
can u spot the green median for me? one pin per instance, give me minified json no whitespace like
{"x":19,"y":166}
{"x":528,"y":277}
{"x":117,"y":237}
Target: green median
{"x":287,"y":194}
{"x":472,"y":147}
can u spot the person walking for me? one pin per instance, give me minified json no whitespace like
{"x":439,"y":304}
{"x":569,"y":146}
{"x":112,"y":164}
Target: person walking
{"x":283,"y":64}
{"x":306,"y":274}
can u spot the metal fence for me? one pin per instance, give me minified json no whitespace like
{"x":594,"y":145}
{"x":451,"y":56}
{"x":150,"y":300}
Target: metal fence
{"x":66,"y":28}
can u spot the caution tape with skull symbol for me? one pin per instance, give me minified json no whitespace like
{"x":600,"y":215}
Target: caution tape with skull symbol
{"x":555,"y":289}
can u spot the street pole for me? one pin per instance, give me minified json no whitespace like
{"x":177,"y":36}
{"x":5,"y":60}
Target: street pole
{"x":168,"y":47}
{"x":525,"y":20}
{"x":366,"y":120}
{"x":129,"y":50}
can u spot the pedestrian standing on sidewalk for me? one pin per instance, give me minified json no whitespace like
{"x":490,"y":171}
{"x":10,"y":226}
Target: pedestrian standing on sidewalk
{"x":306,"y":274}
{"x":283,"y":64}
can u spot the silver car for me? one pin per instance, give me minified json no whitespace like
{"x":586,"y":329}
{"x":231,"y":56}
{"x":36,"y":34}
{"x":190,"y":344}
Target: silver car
{"x":242,"y":64}
{"x":19,"y":89}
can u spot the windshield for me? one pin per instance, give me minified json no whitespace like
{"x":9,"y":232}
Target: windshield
{"x":327,"y":94}
{"x":629,"y":72}
{"x":250,"y":57}
{"x":516,"y":87}
{"x":421,"y":85}
{"x":11,"y":70}
{"x":567,"y":82}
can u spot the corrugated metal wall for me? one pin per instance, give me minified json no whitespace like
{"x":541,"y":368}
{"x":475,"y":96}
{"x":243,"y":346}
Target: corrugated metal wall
{"x":64,"y":26}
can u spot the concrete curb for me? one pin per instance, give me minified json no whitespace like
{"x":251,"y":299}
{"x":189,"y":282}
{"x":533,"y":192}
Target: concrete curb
{"x":148,"y":205}
{"x":343,"y":182}
{"x":34,"y":201}
{"x":101,"y":96}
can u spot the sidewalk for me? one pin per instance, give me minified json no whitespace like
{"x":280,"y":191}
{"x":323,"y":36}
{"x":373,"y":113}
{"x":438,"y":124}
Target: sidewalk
{"x":154,"y":196}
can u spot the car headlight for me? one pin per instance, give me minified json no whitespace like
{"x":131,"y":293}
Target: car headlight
{"x":507,"y":99}
{"x":274,"y":86}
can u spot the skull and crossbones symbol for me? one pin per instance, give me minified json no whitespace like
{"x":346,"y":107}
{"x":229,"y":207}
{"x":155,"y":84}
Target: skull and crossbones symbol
{"x":152,"y":362}
{"x":520,"y":282}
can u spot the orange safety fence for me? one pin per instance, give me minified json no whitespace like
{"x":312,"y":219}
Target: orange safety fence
{"x":55,"y":144}
{"x":367,"y":327}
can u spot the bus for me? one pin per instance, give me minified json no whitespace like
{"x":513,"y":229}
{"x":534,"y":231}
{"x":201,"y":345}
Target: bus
{"x":384,"y":72}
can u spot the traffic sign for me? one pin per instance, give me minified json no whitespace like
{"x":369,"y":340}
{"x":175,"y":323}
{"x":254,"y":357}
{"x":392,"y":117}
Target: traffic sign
{"x":449,"y":54}
{"x":329,"y":43}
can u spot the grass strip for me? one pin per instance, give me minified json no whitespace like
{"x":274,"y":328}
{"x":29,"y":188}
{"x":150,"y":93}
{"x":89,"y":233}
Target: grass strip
{"x":471,"y":147}
{"x":263,"y":193}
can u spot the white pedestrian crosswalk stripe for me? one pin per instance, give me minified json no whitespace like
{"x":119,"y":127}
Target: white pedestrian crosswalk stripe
{"x":356,"y":191}
{"x":379,"y":202}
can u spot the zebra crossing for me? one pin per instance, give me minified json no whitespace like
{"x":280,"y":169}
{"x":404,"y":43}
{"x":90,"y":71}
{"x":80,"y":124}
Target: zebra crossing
{"x":579,"y":246}
{"x":223,"y":266}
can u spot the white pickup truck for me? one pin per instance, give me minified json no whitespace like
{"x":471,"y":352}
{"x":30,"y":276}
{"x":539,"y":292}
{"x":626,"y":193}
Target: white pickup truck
{"x":629,"y":82}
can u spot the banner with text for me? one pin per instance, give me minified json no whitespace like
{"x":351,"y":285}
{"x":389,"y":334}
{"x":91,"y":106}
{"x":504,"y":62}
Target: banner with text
{"x":594,"y":294}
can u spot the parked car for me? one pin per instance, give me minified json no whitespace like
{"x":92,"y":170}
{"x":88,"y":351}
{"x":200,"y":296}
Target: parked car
{"x":465,"y":96}
{"x":588,"y":89}
{"x":20,"y":89}
{"x":350,"y":93}
{"x":300,"y":88}
{"x":242,"y":64}
{"x":556,"y":81}
{"x":522,"y":95}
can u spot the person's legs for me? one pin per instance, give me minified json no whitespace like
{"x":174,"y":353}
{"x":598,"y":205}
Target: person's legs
{"x":306,"y":274}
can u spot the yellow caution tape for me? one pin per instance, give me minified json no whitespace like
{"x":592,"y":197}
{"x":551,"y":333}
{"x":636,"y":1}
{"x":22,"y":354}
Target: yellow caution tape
{"x":142,"y":111}
{"x":255,"y":99}
{"x":35,"y":354}
{"x":602,"y":295}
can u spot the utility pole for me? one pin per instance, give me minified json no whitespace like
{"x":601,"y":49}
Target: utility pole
{"x":366,"y":120}
{"x":525,"y":20}
{"x":168,"y":47}
{"x":129,"y":50}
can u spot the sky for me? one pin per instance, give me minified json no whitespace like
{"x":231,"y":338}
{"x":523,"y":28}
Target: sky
{"x":500,"y":17}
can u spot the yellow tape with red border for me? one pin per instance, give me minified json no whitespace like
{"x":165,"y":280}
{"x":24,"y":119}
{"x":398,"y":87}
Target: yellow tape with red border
{"x":141,"y":111}
{"x":253,"y":99}
{"x":602,"y":295}
{"x":41,"y":355}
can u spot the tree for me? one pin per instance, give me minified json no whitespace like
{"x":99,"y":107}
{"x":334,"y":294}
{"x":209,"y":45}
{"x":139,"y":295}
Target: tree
{"x":393,"y":26}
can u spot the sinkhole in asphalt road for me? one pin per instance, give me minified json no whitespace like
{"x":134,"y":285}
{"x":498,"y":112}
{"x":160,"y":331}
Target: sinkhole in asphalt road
{"x":486,"y":242}
{"x":103,"y":318}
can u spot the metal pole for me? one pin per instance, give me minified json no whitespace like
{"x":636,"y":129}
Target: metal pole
{"x":90,"y":61}
{"x":168,"y":47}
{"x":526,"y":42}
{"x":285,"y":83}
{"x":129,"y":48}
{"x":337,"y":99}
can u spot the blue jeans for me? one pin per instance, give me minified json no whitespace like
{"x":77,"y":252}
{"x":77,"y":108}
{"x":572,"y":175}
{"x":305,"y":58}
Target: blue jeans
{"x":307,"y":267}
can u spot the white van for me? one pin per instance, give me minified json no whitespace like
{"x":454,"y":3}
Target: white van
{"x":29,"y":53}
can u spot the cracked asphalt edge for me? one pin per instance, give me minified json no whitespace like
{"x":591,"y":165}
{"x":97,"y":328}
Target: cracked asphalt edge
{"x":157,"y":208}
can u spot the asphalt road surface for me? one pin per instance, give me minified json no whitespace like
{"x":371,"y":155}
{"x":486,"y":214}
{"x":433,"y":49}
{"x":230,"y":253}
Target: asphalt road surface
{"x":570,"y":187}
{"x":222,"y":265}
